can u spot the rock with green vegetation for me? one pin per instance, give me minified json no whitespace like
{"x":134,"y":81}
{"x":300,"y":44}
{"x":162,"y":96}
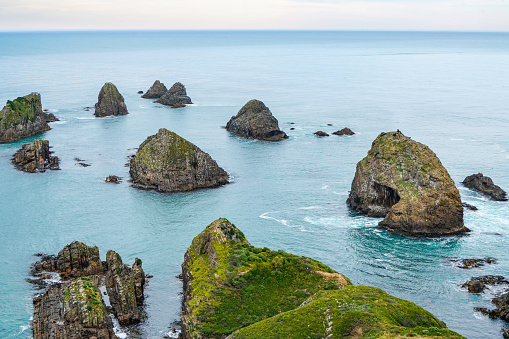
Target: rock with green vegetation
{"x":110,"y":102}
{"x":22,"y":117}
{"x":155,"y":91}
{"x":404,"y":182}
{"x":35,"y":157}
{"x":167,"y":162}
{"x":255,"y":120}
{"x":176,"y":96}
{"x":233,"y":288}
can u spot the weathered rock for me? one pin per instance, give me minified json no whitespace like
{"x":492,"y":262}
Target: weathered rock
{"x":403,"y":181}
{"x":478,"y":284}
{"x":486,"y":186}
{"x":35,"y":156}
{"x":113,"y":179}
{"x":167,"y":162}
{"x":140,"y":92}
{"x":110,"y":102}
{"x":255,"y":120}
{"x":321,"y":134}
{"x":155,"y":91}
{"x":344,"y":131}
{"x":505,"y":332}
{"x":22,"y":117}
{"x":49,"y":117}
{"x":472,"y":262}
{"x":468,"y":206}
{"x":175,"y":96}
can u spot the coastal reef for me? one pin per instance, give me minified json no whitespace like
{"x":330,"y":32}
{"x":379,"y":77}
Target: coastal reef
{"x":110,"y":102}
{"x":404,"y":182}
{"x":155,"y":91}
{"x":486,"y":186}
{"x":167,"y":162}
{"x":255,"y":120}
{"x":75,"y":307}
{"x":234,"y":289}
{"x":35,"y":157}
{"x":176,"y":96}
{"x":22,"y":117}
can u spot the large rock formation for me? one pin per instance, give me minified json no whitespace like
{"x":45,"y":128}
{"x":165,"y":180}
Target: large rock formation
{"x":229,"y":284}
{"x":76,"y":308}
{"x":167,"y":162}
{"x":176,"y":96}
{"x":155,"y":91}
{"x":110,"y":102}
{"x":22,"y":117}
{"x":404,"y":181}
{"x":486,"y":186}
{"x":255,"y":120}
{"x":35,"y":156}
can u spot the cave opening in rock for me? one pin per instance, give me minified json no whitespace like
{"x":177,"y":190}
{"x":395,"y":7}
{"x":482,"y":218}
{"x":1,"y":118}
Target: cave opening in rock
{"x":385,"y":196}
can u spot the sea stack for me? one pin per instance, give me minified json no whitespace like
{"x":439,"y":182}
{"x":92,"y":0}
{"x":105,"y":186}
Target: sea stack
{"x":155,"y":91}
{"x":486,"y":186}
{"x":255,"y":120}
{"x":167,"y":162}
{"x":110,"y":102}
{"x":22,"y":117}
{"x":35,"y":157}
{"x":404,"y":182}
{"x":176,"y":96}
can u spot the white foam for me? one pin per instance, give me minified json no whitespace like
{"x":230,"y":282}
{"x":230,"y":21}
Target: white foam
{"x":324,"y":187}
{"x":119,"y":332}
{"x":85,"y":118}
{"x":61,"y":122}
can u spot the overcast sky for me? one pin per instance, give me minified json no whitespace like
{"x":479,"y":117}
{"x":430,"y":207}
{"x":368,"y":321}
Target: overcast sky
{"x":470,"y":15}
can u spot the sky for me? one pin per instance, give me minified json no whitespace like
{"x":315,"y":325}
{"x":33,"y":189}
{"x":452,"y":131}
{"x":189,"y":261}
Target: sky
{"x":450,"y":15}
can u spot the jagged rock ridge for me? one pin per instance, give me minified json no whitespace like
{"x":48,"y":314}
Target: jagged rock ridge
{"x":35,"y":156}
{"x":155,"y":91}
{"x":176,"y":96}
{"x":486,"y":186}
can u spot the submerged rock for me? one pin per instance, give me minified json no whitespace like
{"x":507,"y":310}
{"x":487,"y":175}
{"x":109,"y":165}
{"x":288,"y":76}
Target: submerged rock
{"x":472,"y":262}
{"x":22,"y":117}
{"x":167,"y":162}
{"x":233,"y":288}
{"x":255,"y":120}
{"x":404,"y":182}
{"x":344,"y":131}
{"x":35,"y":156}
{"x":176,"y":96}
{"x":155,"y":91}
{"x":113,"y":179}
{"x":468,"y":206}
{"x":486,"y":186}
{"x":110,"y":102}
{"x":321,"y":134}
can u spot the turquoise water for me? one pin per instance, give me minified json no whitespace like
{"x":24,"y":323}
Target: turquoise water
{"x":446,"y":90}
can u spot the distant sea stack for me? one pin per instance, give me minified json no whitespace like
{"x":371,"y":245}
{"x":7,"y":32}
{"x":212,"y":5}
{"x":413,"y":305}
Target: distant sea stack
{"x":404,"y":181}
{"x":155,"y":91}
{"x":176,"y":96}
{"x":22,"y":117}
{"x":486,"y":186}
{"x":255,"y":120}
{"x":344,"y":131}
{"x":167,"y":162}
{"x":110,"y":102}
{"x":35,"y":157}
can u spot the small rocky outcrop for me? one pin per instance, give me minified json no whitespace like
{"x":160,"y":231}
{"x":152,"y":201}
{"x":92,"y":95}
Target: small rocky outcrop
{"x":469,"y":207}
{"x":472,"y":262}
{"x":404,"y":182}
{"x":255,"y":120}
{"x":167,"y":162}
{"x":176,"y":96}
{"x":321,"y":134}
{"x":486,"y":186}
{"x":110,"y":102}
{"x":479,"y":284}
{"x":35,"y":157}
{"x":502,"y":307}
{"x":155,"y":91}
{"x":344,"y":131}
{"x":113,"y":179}
{"x":22,"y":117}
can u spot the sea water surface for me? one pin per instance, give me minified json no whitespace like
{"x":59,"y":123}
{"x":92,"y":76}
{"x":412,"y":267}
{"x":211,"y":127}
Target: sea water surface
{"x":449,"y":91}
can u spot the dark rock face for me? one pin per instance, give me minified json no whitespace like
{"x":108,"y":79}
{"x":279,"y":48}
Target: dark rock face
{"x":468,"y":206}
{"x":175,"y":96}
{"x":255,"y":120}
{"x":167,"y":162}
{"x":344,"y":131}
{"x":49,"y":117}
{"x":321,"y":134}
{"x":472,"y":262}
{"x":110,"y":102}
{"x":404,"y":182}
{"x":486,"y":186}
{"x":113,"y":179}
{"x":35,"y":156}
{"x":140,"y":92}
{"x":478,"y":284}
{"x":22,"y":117}
{"x":155,"y":91}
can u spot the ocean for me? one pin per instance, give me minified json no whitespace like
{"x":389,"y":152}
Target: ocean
{"x":448,"y":90}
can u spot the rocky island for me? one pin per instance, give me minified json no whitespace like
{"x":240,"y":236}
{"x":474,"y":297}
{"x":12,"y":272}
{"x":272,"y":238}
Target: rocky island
{"x":405,"y":183}
{"x":176,"y":96}
{"x":235,"y":290}
{"x":255,"y":120}
{"x":110,"y":102}
{"x":155,"y":91}
{"x":486,"y":186}
{"x":35,"y":157}
{"x":167,"y":162}
{"x":23,"y":117}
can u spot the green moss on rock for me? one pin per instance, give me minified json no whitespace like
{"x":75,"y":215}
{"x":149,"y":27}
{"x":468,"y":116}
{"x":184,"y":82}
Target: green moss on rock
{"x":83,"y":297}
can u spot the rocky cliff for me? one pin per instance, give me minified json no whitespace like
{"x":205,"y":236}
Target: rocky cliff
{"x":254,"y":120}
{"x":233,"y":288}
{"x":176,"y":96}
{"x":155,"y":91}
{"x":35,"y":156}
{"x":167,"y":162}
{"x":404,"y":181}
{"x":110,"y":102}
{"x":22,"y":117}
{"x":486,"y":186}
